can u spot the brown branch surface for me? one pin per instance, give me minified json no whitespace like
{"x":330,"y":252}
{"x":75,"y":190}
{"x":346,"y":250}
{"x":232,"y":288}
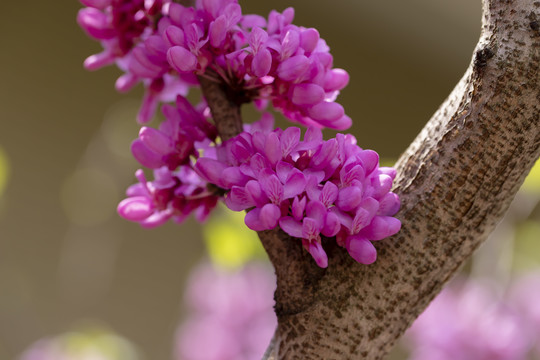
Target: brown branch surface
{"x":456,"y":180}
{"x":225,"y":110}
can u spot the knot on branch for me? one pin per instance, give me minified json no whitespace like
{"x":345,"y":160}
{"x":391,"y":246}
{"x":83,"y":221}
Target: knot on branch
{"x":482,"y":56}
{"x":534,"y":24}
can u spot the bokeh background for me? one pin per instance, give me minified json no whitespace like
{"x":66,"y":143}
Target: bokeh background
{"x":67,"y":261}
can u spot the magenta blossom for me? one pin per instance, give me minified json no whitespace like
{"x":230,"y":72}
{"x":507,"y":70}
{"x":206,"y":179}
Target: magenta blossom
{"x":164,"y":45}
{"x":171,"y":195}
{"x":267,"y":60}
{"x":128,"y":32}
{"x":179,"y":137}
{"x":309,"y":187}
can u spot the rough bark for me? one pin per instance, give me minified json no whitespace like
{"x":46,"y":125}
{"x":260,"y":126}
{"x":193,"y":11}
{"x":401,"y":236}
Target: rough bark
{"x":456,"y":180}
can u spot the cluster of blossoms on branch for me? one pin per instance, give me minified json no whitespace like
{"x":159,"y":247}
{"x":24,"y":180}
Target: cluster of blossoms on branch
{"x":164,"y":45}
{"x":309,"y":188}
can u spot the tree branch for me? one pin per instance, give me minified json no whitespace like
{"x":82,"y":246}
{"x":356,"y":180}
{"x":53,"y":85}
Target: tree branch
{"x":455,"y":181}
{"x":225,"y":110}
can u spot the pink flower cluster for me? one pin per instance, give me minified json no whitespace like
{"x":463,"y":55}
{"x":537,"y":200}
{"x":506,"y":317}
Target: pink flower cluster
{"x":173,"y":194}
{"x":309,"y":187}
{"x":164,"y":45}
{"x":129,"y":33}
{"x":177,"y":190}
{"x":231,"y":315}
{"x":184,"y":131}
{"x":267,"y":59}
{"x":472,"y":321}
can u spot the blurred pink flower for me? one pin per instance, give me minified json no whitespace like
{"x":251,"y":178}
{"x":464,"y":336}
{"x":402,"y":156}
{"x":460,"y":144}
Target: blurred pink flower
{"x":470,"y":322}
{"x":231,"y":314}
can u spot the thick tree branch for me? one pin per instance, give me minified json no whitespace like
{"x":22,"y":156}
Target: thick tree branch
{"x":455,"y":181}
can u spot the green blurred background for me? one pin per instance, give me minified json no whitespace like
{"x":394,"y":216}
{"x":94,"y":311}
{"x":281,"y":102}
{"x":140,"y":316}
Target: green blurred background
{"x":66,"y":258}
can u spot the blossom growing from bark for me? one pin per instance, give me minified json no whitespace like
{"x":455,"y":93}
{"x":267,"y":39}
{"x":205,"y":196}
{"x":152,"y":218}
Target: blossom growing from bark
{"x":164,"y":45}
{"x":184,"y":132}
{"x":268,"y":60}
{"x":310,"y":187}
{"x":171,"y":195}
{"x":128,"y":32}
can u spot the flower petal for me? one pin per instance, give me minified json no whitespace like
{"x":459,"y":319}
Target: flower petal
{"x":349,"y":198}
{"x":289,"y":140}
{"x":332,"y":224}
{"x":326,"y":111}
{"x":210,"y":170}
{"x":389,"y":204}
{"x":181,"y":59}
{"x":309,"y":39}
{"x":307,"y":94}
{"x":272,"y":148}
{"x":272,"y":187}
{"x":269,"y":216}
{"x":319,"y":255}
{"x":238,"y":199}
{"x":262,"y":63}
{"x":252,"y":220}
{"x":283,"y":170}
{"x":293,"y":68}
{"x":316,"y":211}
{"x":297,"y":208}
{"x":295,"y":185}
{"x":329,"y":194}
{"x":382,"y":227}
{"x":135,"y":208}
{"x":256,"y":194}
{"x":291,"y":226}
{"x":361,"y":250}
{"x":145,"y":156}
{"x":156,"y":140}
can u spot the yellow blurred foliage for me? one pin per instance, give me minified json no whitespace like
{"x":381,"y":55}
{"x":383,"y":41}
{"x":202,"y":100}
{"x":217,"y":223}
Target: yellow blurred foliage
{"x":4,"y":170}
{"x":532,"y":182}
{"x":527,"y":246}
{"x":96,"y":343}
{"x":229,"y":242}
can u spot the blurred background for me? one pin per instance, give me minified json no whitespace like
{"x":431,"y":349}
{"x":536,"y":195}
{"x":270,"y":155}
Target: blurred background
{"x":67,"y":261}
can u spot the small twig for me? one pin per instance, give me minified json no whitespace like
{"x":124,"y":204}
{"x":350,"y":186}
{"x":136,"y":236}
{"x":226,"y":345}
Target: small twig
{"x":225,"y":111}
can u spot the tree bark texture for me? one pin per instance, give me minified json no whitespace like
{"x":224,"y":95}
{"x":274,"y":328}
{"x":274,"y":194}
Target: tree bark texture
{"x":455,"y":181}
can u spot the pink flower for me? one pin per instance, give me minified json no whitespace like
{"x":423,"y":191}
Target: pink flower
{"x":171,"y":195}
{"x":163,"y":44}
{"x":131,"y":37}
{"x":471,"y":323}
{"x":310,"y":188}
{"x":231,"y":314}
{"x":177,"y":139}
